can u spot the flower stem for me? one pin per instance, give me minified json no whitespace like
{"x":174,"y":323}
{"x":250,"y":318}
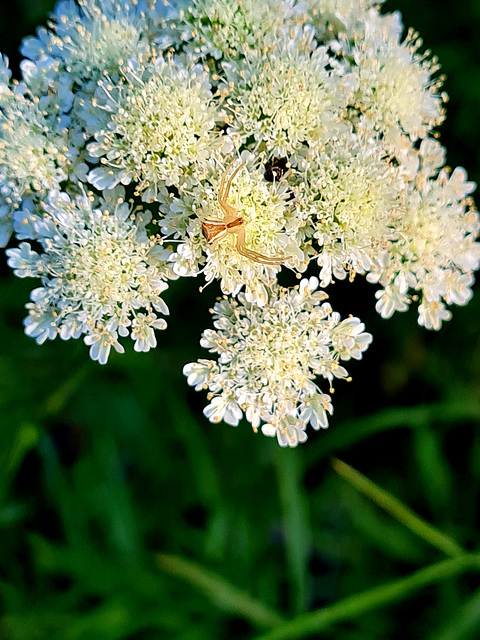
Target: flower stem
{"x":354,"y":606}
{"x":399,"y":511}
{"x":219,"y":591}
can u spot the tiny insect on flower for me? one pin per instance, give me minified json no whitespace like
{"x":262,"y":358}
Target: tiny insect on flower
{"x":276,"y":169}
{"x":214,"y":230}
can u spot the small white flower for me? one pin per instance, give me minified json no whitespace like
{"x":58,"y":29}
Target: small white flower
{"x":316,"y":410}
{"x":100,"y":344}
{"x":143,"y":331}
{"x":222,"y":408}
{"x":390,"y":300}
{"x":432,"y":314}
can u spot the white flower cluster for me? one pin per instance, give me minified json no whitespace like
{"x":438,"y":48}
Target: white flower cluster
{"x":33,"y":155}
{"x":265,"y":136}
{"x":225,"y":30}
{"x":157,"y":125}
{"x":101,"y":275}
{"x":269,"y":357}
{"x":271,"y":223}
{"x":284,"y":100}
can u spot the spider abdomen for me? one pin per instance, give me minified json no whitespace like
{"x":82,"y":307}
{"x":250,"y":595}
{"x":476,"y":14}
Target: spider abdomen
{"x":213,"y":230}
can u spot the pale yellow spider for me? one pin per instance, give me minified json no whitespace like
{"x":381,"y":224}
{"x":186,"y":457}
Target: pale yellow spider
{"x":215,"y":230}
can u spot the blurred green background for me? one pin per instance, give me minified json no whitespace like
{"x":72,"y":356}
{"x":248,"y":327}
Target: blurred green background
{"x":125,"y":515}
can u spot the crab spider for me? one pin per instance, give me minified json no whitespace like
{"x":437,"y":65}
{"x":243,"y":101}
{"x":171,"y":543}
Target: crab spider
{"x":214,"y":230}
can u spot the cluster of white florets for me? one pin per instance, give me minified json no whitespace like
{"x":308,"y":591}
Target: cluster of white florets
{"x":271,"y":223}
{"x":437,"y":261}
{"x":284,"y":99}
{"x":270,"y":356}
{"x":225,"y":30}
{"x":101,"y":275}
{"x":33,"y":155}
{"x":163,"y":127}
{"x":346,"y":191}
{"x":265,"y":137}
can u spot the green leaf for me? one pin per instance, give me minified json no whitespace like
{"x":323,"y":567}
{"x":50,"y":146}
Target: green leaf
{"x":396,"y":509}
{"x":465,"y":625}
{"x":297,"y":530}
{"x":354,"y":606}
{"x":223,"y":594}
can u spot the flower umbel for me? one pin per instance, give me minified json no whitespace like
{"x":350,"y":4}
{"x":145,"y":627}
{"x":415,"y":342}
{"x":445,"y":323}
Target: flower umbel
{"x":101,"y":276}
{"x":269,"y":358}
{"x":158,"y":123}
{"x":266,"y":136}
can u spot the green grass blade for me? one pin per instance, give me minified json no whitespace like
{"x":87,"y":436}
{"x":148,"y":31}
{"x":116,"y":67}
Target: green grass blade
{"x":434,"y":470}
{"x":201,"y":461}
{"x":354,"y":606}
{"x":297,"y":530}
{"x":465,"y":625}
{"x":223,"y":594}
{"x":15,"y":447}
{"x":26,"y":438}
{"x":399,"y":511}
{"x":56,"y":402}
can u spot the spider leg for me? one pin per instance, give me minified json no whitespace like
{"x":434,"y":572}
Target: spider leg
{"x":253,"y":255}
{"x":230,"y":180}
{"x":230,"y":212}
{"x":222,"y":181}
{"x":215,"y":221}
{"x":259,"y":257}
{"x":213,"y":245}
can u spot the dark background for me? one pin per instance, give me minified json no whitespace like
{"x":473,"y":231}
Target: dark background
{"x":102,"y":469}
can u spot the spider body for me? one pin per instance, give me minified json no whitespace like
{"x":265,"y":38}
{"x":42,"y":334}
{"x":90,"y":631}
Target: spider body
{"x":214,"y":230}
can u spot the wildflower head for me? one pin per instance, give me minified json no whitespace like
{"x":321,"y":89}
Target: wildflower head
{"x":100,"y":274}
{"x":331,"y":17}
{"x":346,"y":192}
{"x":218,"y":29}
{"x":89,"y":38}
{"x":329,"y":111}
{"x":434,"y":263}
{"x":397,"y":90}
{"x":284,"y":98}
{"x":157,"y":124}
{"x":269,"y":223}
{"x":33,"y":155}
{"x":269,"y":358}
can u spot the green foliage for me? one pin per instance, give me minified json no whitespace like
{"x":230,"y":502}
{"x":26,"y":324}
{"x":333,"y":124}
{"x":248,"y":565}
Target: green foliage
{"x":125,"y":515}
